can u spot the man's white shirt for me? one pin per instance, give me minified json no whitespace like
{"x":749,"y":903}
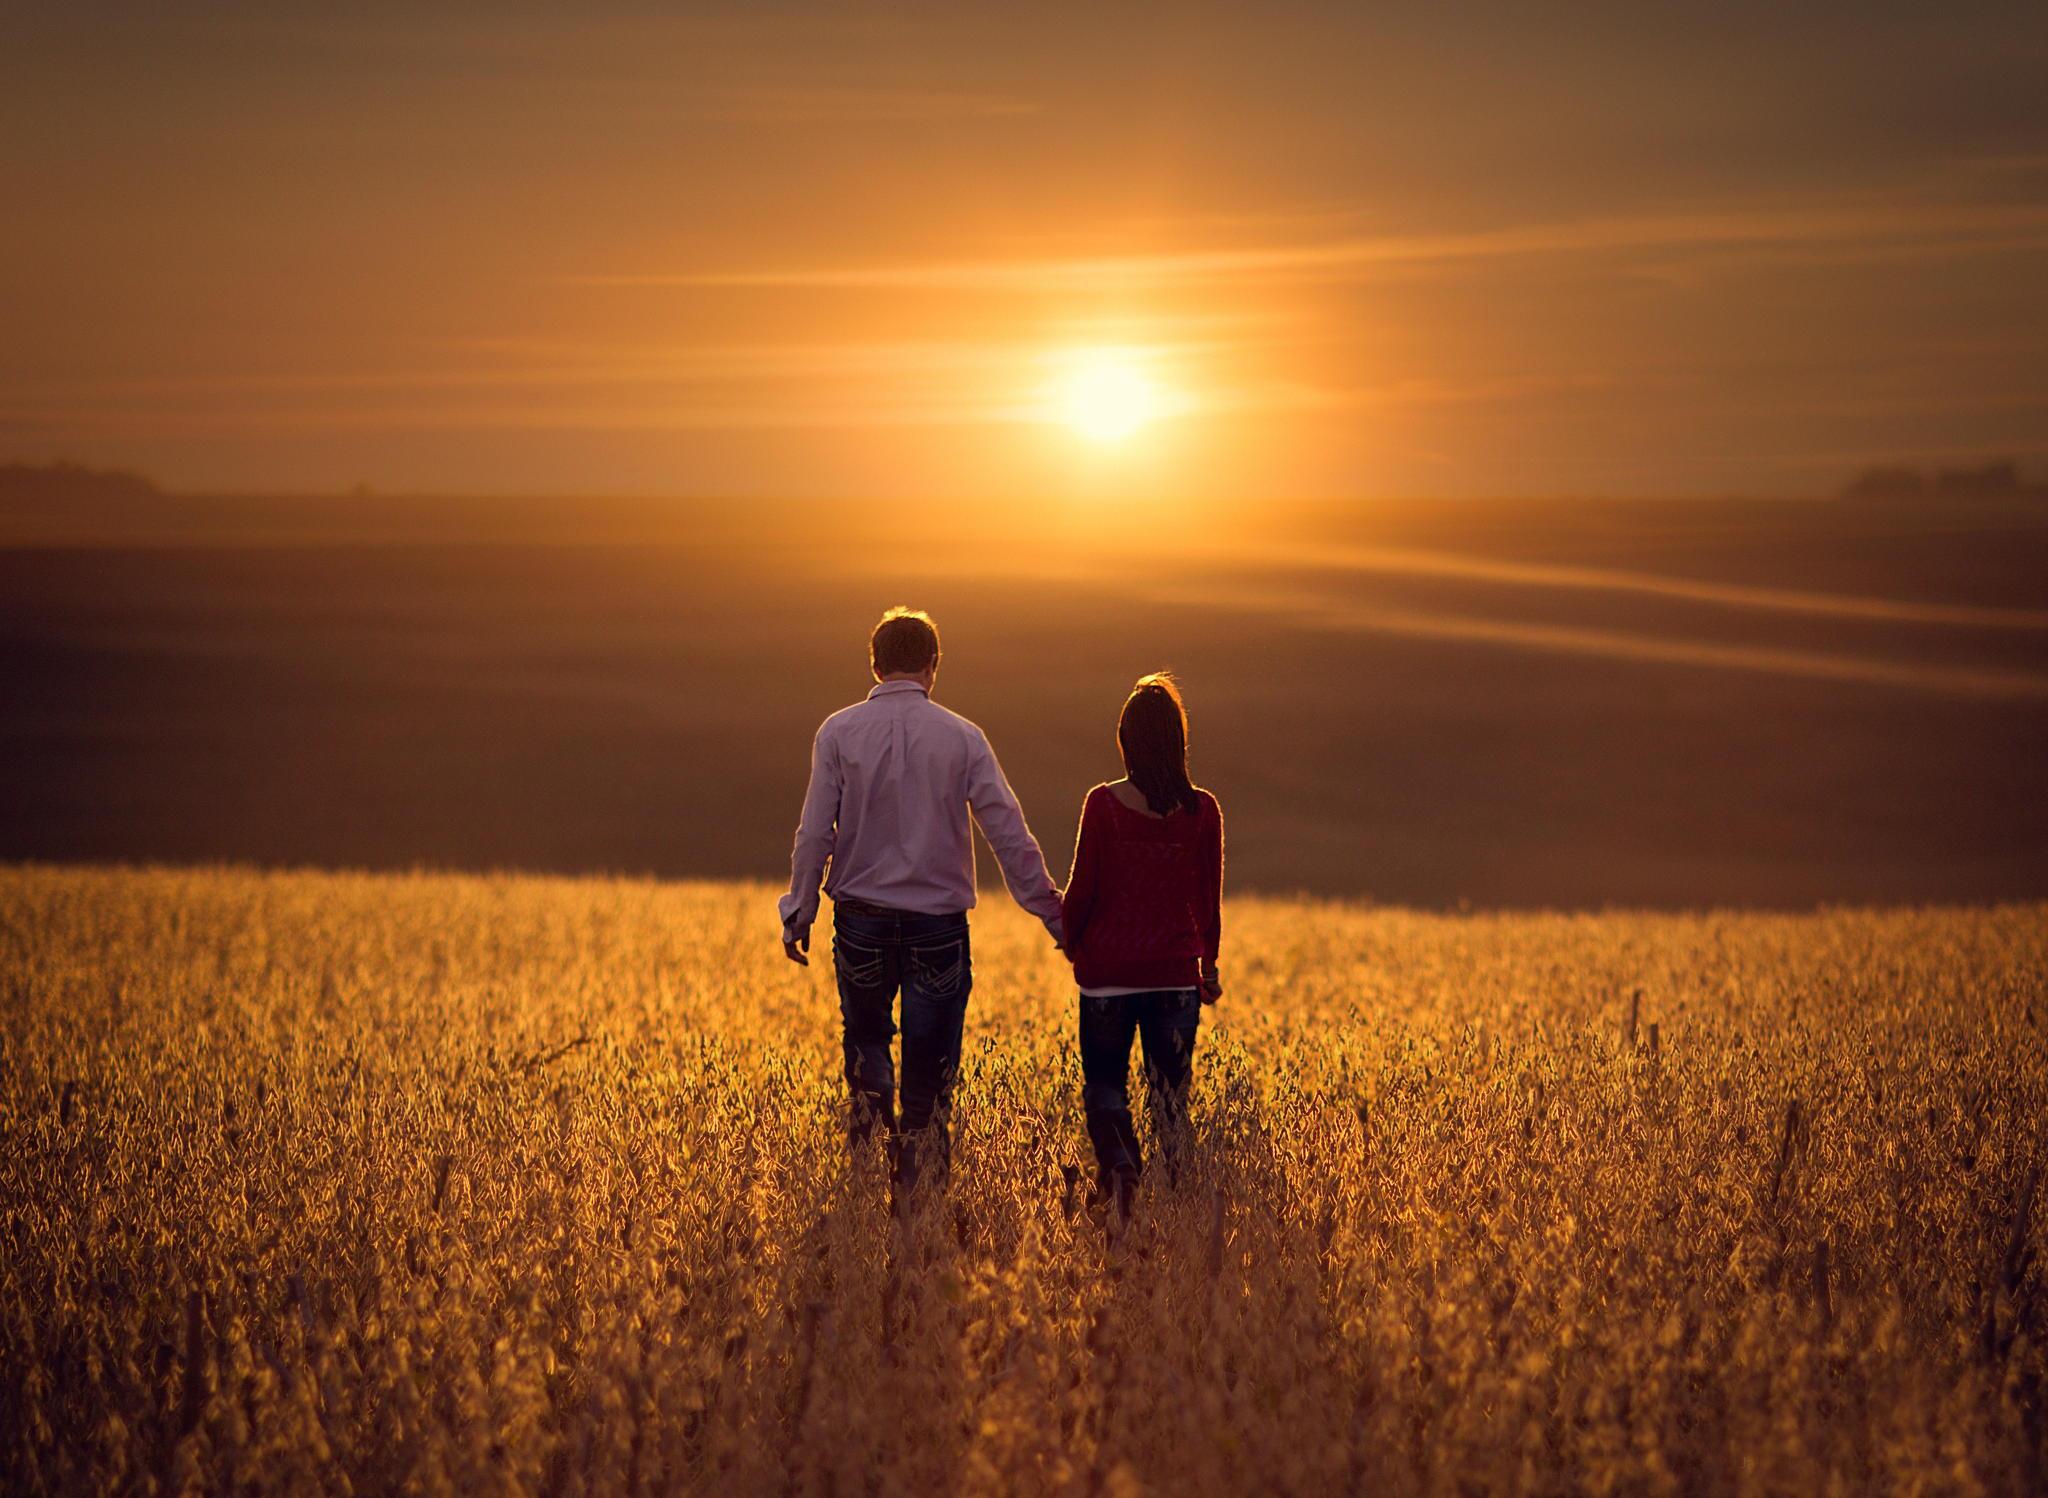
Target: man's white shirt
{"x":894,"y":780}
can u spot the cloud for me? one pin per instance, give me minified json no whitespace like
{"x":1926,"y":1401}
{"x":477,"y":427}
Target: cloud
{"x":1401,"y":562}
{"x":797,"y":386}
{"x":1850,"y":229}
{"x":521,"y":363}
{"x":1968,"y":452}
{"x":524,"y":383}
{"x":843,"y":106}
{"x":1621,"y":645}
{"x":2022,"y":164}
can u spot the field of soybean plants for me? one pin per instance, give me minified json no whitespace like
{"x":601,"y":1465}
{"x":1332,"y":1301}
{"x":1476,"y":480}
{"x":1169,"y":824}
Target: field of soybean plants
{"x":501,"y":1185}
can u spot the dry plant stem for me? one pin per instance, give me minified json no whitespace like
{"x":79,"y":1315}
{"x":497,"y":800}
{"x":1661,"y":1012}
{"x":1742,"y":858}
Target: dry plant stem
{"x":324,"y":1183}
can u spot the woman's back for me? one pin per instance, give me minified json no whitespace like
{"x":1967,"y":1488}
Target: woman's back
{"x":1142,"y":906}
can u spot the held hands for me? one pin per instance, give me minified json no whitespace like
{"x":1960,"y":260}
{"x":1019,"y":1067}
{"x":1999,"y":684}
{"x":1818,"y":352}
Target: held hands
{"x":796,"y":946}
{"x":1212,"y":982}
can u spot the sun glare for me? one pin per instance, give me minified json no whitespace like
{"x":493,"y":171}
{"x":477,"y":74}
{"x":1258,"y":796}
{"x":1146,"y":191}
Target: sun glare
{"x":1106,"y":396}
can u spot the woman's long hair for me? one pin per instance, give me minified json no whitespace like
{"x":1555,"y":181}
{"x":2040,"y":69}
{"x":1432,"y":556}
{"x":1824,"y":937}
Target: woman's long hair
{"x":1153,"y":735}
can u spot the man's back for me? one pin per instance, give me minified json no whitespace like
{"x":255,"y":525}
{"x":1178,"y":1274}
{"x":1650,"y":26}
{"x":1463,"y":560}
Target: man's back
{"x":903,"y":838}
{"x":893,"y":781}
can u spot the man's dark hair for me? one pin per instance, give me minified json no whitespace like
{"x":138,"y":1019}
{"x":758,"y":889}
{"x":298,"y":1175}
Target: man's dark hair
{"x":906,"y":641}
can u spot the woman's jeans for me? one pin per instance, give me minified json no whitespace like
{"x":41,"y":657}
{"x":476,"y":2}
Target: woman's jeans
{"x":874,"y":954}
{"x":1167,"y":1020}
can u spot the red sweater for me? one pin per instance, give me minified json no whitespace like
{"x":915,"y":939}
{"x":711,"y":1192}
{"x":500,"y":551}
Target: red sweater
{"x":1143,"y":904}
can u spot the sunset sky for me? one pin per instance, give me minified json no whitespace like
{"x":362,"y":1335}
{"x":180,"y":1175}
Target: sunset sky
{"x":848,"y":250}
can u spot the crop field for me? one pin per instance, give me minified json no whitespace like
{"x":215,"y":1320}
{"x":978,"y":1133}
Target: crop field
{"x":491,"y":1185}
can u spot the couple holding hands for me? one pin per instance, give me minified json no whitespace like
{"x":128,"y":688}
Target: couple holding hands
{"x":885,"y":826}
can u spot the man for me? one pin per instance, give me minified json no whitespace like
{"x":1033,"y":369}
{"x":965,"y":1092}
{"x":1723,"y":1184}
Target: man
{"x":893,"y":780}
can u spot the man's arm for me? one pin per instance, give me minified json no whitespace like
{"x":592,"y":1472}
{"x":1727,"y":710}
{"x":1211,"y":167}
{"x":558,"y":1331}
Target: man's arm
{"x":1017,"y":852}
{"x":816,"y":832}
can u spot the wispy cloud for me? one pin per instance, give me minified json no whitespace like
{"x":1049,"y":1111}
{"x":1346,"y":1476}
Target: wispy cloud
{"x":1991,"y":682}
{"x":1935,"y":452}
{"x":522,"y":382}
{"x":850,"y":106}
{"x":2019,"y":164}
{"x":1850,"y":229}
{"x":796,"y":386}
{"x":1407,"y":563}
{"x":516,"y":363}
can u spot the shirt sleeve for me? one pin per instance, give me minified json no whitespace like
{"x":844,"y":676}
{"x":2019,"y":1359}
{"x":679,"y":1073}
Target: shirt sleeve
{"x":1211,"y":907}
{"x":1077,"y":902}
{"x":1002,"y":822}
{"x":816,"y":834}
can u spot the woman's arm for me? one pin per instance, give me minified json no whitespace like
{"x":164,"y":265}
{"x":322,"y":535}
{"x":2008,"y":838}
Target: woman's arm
{"x":1210,"y":910}
{"x":1084,"y":880}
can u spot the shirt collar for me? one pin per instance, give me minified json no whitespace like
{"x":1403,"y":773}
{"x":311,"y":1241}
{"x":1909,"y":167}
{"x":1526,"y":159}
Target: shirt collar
{"x":890,"y":688}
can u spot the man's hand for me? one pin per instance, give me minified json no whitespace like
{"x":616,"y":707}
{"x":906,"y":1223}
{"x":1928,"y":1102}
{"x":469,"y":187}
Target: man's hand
{"x":796,"y":946}
{"x":1212,"y":983}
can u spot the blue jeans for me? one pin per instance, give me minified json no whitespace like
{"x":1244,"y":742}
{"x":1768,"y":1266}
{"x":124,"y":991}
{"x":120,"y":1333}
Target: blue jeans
{"x":874,"y":954}
{"x":1167,"y":1020}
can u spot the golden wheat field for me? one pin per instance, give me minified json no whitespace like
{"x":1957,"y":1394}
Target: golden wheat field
{"x":479,"y":1185}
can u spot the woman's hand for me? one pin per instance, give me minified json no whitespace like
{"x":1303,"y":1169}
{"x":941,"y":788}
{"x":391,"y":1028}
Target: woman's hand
{"x":1212,"y":983}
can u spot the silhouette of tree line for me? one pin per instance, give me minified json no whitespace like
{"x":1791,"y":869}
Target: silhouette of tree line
{"x":2000,"y":479}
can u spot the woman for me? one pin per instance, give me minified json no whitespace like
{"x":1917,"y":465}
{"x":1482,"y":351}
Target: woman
{"x":1142,"y":912}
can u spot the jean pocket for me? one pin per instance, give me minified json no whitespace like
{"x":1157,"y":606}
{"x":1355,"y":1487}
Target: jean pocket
{"x":940,"y":968}
{"x":856,"y":966}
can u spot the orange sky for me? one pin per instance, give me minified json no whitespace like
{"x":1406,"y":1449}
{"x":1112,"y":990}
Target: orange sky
{"x":780,"y":249}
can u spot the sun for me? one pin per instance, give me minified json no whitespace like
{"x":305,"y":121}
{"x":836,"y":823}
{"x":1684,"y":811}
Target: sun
{"x":1106,"y":396}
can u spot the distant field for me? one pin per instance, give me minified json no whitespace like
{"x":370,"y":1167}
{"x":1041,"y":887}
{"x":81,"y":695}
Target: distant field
{"x":498,"y":1185}
{"x":1517,"y":704}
